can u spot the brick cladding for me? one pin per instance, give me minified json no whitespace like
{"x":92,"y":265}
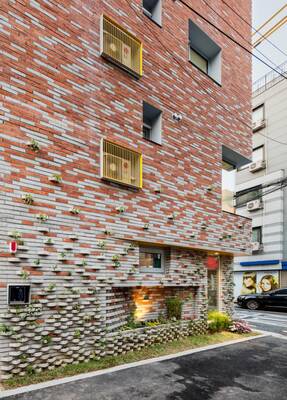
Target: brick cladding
{"x":56,"y":89}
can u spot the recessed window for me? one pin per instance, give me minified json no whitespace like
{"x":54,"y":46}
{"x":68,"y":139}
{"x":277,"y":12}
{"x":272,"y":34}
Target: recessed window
{"x":257,"y":234}
{"x":120,"y":164}
{"x":244,"y":196}
{"x":198,"y":60}
{"x":258,"y":154}
{"x":153,"y":9}
{"x":152,"y":123}
{"x":151,"y":259}
{"x":258,"y":118}
{"x":228,"y":186}
{"x":204,"y":52}
{"x":121,"y":47}
{"x":18,"y":294}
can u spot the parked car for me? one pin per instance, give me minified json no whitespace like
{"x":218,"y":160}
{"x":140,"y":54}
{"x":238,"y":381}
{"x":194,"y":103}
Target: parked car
{"x":275,"y":298}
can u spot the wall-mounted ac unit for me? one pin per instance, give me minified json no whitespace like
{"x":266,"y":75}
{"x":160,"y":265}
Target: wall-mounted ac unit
{"x":254,"y":205}
{"x":257,"y":166}
{"x":258,"y":125}
{"x":256,"y":246}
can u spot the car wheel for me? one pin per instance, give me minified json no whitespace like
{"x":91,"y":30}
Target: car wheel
{"x":252,"y":305}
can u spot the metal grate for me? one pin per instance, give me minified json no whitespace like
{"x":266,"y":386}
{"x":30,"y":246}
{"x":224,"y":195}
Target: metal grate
{"x":121,"y":165}
{"x":120,"y":47}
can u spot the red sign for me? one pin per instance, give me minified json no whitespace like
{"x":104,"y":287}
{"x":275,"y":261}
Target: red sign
{"x":212,"y":263}
{"x":13,"y":246}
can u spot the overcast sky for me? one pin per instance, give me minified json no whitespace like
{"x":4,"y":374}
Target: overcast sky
{"x":262,"y":10}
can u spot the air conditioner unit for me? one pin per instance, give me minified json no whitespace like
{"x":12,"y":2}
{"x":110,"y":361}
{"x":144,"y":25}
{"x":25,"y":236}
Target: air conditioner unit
{"x":256,"y":246}
{"x":258,"y":125}
{"x":112,"y":46}
{"x":257,"y":166}
{"x":118,"y":168}
{"x":254,"y":205}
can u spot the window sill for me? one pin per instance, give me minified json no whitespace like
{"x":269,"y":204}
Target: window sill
{"x":206,"y":74}
{"x":151,"y":271}
{"x":151,"y":141}
{"x":121,"y":66}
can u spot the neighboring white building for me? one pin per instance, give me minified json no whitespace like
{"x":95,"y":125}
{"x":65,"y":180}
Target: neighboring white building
{"x":266,"y":268}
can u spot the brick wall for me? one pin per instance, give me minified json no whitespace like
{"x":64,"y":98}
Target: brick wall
{"x":56,"y":89}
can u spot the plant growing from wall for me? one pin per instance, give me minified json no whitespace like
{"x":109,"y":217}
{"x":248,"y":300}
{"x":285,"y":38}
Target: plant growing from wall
{"x":121,"y":209}
{"x":146,"y":226}
{"x":62,"y":256}
{"x":174,"y":308}
{"x":107,"y":232}
{"x":27,"y":199}
{"x":37,"y":262}
{"x":131,"y":246}
{"x":34,"y":145}
{"x":172,"y":216}
{"x":42,"y":217}
{"x":24,"y":275}
{"x":5,"y":330}
{"x":77,"y":334}
{"x":116,"y":261}
{"x":51,"y":287}
{"x":49,"y":242}
{"x":15,"y":235}
{"x":46,"y":340}
{"x":56,"y":178}
{"x":83,"y":263}
{"x":102,"y":244}
{"x":75,"y":210}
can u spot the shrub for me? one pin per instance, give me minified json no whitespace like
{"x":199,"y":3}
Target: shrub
{"x":174,"y":308}
{"x":240,"y":327}
{"x":218,"y":321}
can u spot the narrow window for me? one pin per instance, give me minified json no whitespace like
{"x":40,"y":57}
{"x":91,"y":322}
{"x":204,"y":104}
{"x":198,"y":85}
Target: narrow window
{"x":258,"y":154}
{"x":228,"y":186}
{"x":244,"y":196}
{"x":198,"y":60}
{"x":152,"y":123}
{"x":257,"y":234}
{"x":258,"y":118}
{"x":153,"y":9}
{"x":18,"y":294}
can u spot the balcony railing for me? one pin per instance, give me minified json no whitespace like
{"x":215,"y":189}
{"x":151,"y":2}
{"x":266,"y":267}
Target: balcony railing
{"x":121,"y":47}
{"x":121,"y":165}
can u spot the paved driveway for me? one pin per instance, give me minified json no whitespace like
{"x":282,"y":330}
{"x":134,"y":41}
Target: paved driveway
{"x":253,"y":370}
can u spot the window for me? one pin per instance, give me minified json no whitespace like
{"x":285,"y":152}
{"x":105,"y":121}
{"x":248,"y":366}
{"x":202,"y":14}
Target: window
{"x":258,"y":154}
{"x":228,"y":186}
{"x":282,"y":292}
{"x":152,"y":259}
{"x":120,"y":164}
{"x":152,"y":123}
{"x":198,"y":60}
{"x":204,"y":52}
{"x":258,"y":120}
{"x":257,"y":234}
{"x":247,"y":195}
{"x":153,"y":9}
{"x":18,"y":294}
{"x":121,"y":47}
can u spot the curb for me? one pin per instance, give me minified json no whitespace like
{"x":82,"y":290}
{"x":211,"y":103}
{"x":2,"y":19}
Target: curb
{"x":26,"y":389}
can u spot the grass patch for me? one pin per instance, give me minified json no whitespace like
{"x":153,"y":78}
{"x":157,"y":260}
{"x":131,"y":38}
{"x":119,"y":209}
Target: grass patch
{"x":157,"y":350}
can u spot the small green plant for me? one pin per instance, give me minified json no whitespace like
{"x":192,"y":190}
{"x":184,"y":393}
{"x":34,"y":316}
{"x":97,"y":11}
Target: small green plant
{"x":46,"y":340}
{"x":83,"y":263}
{"x":23,"y":357}
{"x":107,"y":232}
{"x":37,"y":262}
{"x":116,"y":261}
{"x":24,"y":275}
{"x":49,"y":241}
{"x":77,"y":307}
{"x":63,"y":255}
{"x":77,"y":334}
{"x":131,"y":246}
{"x":30,"y":370}
{"x":146,"y":226}
{"x":75,"y":210}
{"x":174,"y":308}
{"x":5,"y":329}
{"x":121,"y":209}
{"x":51,"y":287}
{"x":27,"y":199}
{"x":57,"y":178}
{"x":218,"y":321}
{"x":102,"y":244}
{"x":42,"y":217}
{"x":15,"y":235}
{"x":34,"y":145}
{"x":172,"y":216}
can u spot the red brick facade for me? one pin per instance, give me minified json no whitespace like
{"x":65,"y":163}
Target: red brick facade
{"x":56,"y":89}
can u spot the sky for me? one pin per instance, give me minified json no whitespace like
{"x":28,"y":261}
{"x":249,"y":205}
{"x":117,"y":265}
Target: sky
{"x":262,"y":10}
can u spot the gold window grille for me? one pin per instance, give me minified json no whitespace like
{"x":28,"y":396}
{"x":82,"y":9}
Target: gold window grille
{"x":121,"y":165}
{"x":121,"y":47}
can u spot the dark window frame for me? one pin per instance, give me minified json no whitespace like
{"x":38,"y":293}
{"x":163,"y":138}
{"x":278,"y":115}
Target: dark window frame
{"x":258,"y":195}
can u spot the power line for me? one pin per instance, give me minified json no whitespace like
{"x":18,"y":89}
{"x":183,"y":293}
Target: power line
{"x":240,"y":34}
{"x":229,"y":37}
{"x":255,"y":30}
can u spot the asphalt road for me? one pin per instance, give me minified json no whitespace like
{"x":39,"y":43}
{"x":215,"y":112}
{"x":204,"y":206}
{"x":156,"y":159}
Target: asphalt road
{"x":274,"y":321}
{"x":253,"y":370}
